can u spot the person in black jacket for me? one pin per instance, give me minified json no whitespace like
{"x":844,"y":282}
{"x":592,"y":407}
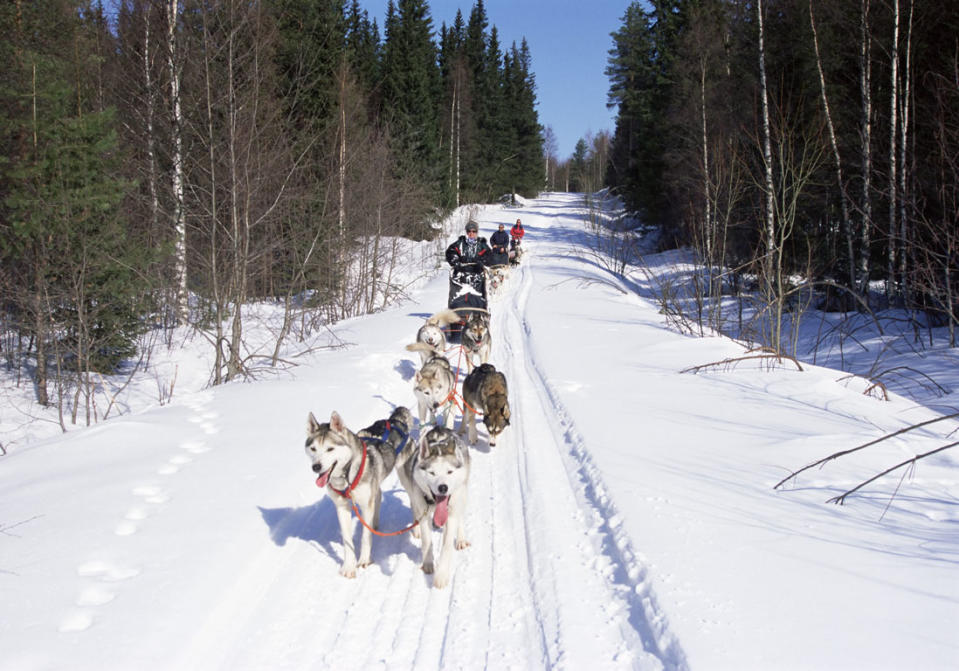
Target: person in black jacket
{"x":499,"y":242}
{"x":469,"y":248}
{"x":467,"y":255}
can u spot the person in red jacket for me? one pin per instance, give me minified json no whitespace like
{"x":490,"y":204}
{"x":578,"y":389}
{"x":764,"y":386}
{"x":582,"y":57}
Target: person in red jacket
{"x":517,"y":232}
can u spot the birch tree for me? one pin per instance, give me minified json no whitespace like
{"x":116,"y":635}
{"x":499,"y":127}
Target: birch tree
{"x":846,"y":224}
{"x":865,"y":138}
{"x":176,"y":175}
{"x":769,"y":259}
{"x":893,"y":154}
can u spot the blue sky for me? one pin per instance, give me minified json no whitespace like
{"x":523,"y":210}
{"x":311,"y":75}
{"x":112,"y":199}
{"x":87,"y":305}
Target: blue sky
{"x":569,"y":41}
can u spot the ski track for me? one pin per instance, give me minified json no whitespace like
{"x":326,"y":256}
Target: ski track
{"x":538,"y":519}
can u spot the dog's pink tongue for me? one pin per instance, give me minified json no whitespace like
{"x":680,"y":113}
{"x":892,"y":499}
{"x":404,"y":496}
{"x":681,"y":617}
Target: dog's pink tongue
{"x":321,"y":481}
{"x":442,"y":511}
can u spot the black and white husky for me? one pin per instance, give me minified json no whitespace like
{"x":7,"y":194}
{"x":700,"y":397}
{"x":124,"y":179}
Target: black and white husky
{"x":353,"y":466}
{"x":435,"y":473}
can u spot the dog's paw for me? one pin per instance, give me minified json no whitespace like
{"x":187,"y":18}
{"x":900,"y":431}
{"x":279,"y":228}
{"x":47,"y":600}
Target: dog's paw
{"x":462,"y":544}
{"x":363,"y":563}
{"x":441,"y":579}
{"x":348,"y":571}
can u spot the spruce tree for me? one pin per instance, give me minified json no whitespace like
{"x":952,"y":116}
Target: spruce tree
{"x":411,"y":84}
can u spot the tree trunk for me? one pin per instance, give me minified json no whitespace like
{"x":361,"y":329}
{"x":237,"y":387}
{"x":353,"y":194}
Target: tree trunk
{"x":844,"y":205}
{"x":707,"y":196}
{"x":151,"y":139}
{"x":179,"y":213}
{"x":893,"y":154}
{"x":452,"y":131}
{"x":234,"y":364}
{"x":769,"y":263}
{"x":865,"y":124}
{"x":904,"y":232}
{"x":459,"y":137}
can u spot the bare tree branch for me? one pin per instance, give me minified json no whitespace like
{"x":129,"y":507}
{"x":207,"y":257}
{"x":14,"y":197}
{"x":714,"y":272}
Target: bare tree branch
{"x":843,"y":453}
{"x":841,"y":499}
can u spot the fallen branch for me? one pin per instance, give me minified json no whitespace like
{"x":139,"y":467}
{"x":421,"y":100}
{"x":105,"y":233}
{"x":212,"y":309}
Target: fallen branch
{"x":730,"y":362}
{"x":840,"y":500}
{"x":843,"y":453}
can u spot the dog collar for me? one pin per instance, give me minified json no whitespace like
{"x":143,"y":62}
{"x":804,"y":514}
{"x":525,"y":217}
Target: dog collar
{"x":345,"y":493}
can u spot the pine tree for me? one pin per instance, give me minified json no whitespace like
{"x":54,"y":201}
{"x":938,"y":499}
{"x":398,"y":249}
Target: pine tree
{"x":63,"y":242}
{"x":526,"y":132}
{"x":311,"y":46}
{"x":363,"y":47}
{"x":411,"y":84}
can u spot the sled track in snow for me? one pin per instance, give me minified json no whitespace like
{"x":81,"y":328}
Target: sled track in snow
{"x":625,"y":572}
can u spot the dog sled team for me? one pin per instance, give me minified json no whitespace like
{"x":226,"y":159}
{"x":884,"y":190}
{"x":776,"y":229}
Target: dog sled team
{"x":433,"y":466}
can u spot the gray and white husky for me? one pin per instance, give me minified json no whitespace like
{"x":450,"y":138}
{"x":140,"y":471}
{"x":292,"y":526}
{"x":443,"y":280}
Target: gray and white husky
{"x":435,"y":473}
{"x":431,"y":332}
{"x":496,"y":277}
{"x":353,"y":466}
{"x":485,"y":391}
{"x":433,"y":384}
{"x":476,"y":339}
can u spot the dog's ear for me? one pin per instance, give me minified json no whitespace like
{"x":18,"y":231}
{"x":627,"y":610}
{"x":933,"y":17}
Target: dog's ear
{"x":424,"y":447}
{"x":336,"y":422}
{"x":311,"y":424}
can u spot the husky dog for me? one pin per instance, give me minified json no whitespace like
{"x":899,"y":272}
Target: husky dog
{"x":515,"y":252}
{"x":496,"y":277}
{"x":484,"y":390}
{"x":354,"y":466}
{"x":435,"y":473}
{"x":434,"y":382}
{"x":476,"y":339}
{"x":431,"y":333}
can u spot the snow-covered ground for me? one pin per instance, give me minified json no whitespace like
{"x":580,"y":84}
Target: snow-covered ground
{"x":626,"y":519}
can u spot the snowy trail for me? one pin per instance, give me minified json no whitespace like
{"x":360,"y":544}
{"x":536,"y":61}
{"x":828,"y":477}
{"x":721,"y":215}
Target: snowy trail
{"x":534,"y":532}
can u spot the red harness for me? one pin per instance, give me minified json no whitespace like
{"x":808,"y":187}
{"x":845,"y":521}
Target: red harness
{"x":345,"y":493}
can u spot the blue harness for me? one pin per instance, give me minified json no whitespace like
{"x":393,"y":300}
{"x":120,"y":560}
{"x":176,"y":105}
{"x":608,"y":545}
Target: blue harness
{"x":386,"y":436}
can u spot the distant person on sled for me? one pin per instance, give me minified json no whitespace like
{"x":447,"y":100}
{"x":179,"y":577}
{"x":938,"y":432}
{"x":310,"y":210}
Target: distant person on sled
{"x":467,"y":256}
{"x":499,"y":241}
{"x":516,"y":237}
{"x":517,"y":232}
